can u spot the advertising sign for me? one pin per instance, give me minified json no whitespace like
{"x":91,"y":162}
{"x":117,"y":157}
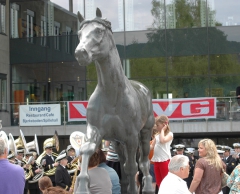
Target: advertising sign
{"x":77,"y":110}
{"x":185,"y":108}
{"x":175,"y":109}
{"x":40,"y":115}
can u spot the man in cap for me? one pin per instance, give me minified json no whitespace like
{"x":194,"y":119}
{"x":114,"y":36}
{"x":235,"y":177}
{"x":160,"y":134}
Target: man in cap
{"x":190,"y":152}
{"x":70,"y":153}
{"x":48,"y":160}
{"x":19,"y":161}
{"x":19,"y":157}
{"x":180,"y":150}
{"x":237,"y":152}
{"x":33,"y":187}
{"x":62,"y":178}
{"x":230,"y":164}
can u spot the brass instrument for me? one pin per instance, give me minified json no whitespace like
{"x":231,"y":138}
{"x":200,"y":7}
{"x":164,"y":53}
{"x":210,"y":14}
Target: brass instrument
{"x":3,"y":135}
{"x":77,"y":138}
{"x":74,"y":180}
{"x":28,"y":174}
{"x":12,"y":148}
{"x":53,"y":142}
{"x":33,"y":145}
{"x":73,"y":166}
{"x":20,"y":142}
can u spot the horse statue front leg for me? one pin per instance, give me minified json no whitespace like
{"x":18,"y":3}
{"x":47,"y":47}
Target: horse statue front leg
{"x":93,"y":139}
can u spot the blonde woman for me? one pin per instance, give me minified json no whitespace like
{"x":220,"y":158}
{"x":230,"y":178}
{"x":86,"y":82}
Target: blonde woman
{"x":208,"y":169}
{"x":161,"y":145}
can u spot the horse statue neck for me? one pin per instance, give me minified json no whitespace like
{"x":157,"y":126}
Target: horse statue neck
{"x":111,"y":76}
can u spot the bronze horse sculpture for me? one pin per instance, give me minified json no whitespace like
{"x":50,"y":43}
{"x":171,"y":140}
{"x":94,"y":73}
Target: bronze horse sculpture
{"x":119,"y":110}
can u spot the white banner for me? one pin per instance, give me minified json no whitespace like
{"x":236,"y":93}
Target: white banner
{"x":39,"y":115}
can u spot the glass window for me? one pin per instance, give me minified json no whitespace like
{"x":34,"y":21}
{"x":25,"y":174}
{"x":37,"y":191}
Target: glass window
{"x":223,"y":40}
{"x":224,"y":64}
{"x":187,"y":65}
{"x":14,"y":20}
{"x":185,"y":14}
{"x":2,"y":16}
{"x":146,"y":67}
{"x":30,"y":17}
{"x":224,"y":86}
{"x":188,"y":87}
{"x":3,"y":92}
{"x":68,"y":33}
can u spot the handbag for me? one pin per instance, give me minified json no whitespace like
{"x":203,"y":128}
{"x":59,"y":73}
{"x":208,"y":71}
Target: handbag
{"x":224,"y":179}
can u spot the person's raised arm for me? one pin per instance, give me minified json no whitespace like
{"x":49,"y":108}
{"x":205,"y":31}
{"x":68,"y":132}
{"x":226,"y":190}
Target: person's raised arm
{"x":198,"y":173}
{"x":163,"y":138}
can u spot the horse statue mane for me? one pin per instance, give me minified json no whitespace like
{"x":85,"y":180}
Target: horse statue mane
{"x":98,"y":19}
{"x":119,"y":110}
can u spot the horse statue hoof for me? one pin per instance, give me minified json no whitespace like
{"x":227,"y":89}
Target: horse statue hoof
{"x":147,"y":189}
{"x":79,"y":192}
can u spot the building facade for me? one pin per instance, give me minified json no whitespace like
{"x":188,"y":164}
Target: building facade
{"x":176,"y":48}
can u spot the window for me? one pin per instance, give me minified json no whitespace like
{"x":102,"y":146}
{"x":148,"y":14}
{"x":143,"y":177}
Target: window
{"x":2,"y":18}
{"x":43,"y":30}
{"x":30,"y":16}
{"x":56,"y":34}
{"x":3,"y":92}
{"x":14,"y":20}
{"x":68,"y":32}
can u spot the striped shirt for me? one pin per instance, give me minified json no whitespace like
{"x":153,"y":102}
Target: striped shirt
{"x":111,"y":154}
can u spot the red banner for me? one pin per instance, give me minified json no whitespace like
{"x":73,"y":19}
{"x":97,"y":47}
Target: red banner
{"x":175,"y":109}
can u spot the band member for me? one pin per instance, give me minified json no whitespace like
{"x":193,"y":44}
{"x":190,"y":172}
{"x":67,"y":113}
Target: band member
{"x":230,"y":164}
{"x":236,"y":155}
{"x":62,"y":178}
{"x":11,"y":157}
{"x":19,"y":161}
{"x":179,"y":150}
{"x":19,"y":157}
{"x":33,"y":187}
{"x":190,"y":152}
{"x":48,"y":160}
{"x":70,"y":153}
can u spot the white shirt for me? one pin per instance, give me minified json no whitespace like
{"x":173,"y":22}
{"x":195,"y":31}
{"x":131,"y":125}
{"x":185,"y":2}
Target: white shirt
{"x":173,"y":184}
{"x":161,"y":151}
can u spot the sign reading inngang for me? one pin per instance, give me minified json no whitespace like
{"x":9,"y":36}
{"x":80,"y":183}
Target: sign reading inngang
{"x":39,"y":115}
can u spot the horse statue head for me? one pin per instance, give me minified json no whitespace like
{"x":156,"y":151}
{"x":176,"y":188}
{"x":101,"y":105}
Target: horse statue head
{"x":92,"y":35}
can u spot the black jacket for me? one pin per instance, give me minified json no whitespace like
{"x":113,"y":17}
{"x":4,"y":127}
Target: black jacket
{"x":49,"y":166}
{"x":231,"y":163}
{"x":62,"y":178}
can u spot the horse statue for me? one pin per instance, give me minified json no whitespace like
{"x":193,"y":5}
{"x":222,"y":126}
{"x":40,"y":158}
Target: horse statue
{"x":119,"y":110}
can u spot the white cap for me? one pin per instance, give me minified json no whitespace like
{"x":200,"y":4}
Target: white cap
{"x":62,"y":155}
{"x":69,"y":147}
{"x":190,"y":150}
{"x":179,"y":146}
{"x":220,"y":151}
{"x":226,"y":148}
{"x":236,"y":145}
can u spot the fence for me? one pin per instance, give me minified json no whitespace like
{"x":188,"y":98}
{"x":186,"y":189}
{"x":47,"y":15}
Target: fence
{"x":227,"y":110}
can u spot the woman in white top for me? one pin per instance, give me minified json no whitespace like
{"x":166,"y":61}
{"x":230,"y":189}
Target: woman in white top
{"x":161,"y":145}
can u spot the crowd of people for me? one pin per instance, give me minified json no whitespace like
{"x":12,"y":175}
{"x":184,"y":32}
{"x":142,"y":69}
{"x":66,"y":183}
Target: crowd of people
{"x":189,"y":172}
